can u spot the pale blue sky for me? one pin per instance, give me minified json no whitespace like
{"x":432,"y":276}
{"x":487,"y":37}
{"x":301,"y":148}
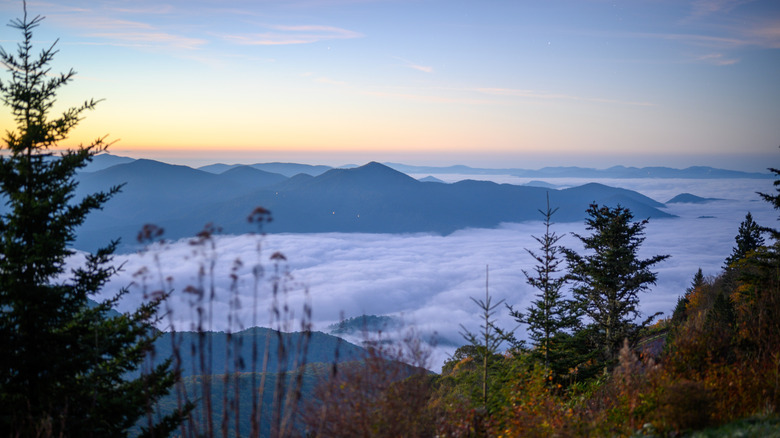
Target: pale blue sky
{"x":489,"y":83}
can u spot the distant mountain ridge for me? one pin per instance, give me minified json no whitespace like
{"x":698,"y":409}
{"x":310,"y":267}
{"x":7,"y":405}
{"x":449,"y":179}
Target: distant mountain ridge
{"x":372,"y":198}
{"x":286,"y":169}
{"x":105,"y":160}
{"x":694,"y":172}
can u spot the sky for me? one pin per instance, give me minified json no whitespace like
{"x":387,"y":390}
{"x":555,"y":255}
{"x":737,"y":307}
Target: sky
{"x":425,"y":280}
{"x":485,"y":83}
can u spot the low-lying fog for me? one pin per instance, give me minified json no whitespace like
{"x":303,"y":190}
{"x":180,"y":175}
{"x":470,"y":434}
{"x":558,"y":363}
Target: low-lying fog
{"x":427,"y":280}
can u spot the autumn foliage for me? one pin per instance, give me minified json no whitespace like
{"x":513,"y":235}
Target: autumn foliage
{"x":714,"y":361}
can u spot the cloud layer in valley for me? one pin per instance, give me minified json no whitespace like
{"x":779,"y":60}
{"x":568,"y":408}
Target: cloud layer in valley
{"x":427,"y":280}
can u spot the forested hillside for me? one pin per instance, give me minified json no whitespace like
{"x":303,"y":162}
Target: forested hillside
{"x":709,"y":369}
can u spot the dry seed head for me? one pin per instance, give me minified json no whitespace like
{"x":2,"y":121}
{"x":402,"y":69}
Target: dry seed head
{"x":259,"y":215}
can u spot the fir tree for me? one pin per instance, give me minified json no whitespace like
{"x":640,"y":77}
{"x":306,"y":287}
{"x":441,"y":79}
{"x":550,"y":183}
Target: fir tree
{"x":696,"y":282}
{"x":490,"y":337}
{"x":680,"y":313}
{"x":65,"y":362}
{"x":608,"y":281}
{"x":551,"y":318}
{"x":775,"y":201}
{"x":748,"y":239}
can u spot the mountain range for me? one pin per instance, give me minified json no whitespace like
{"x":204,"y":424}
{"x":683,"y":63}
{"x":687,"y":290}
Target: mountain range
{"x":291,"y":169}
{"x":694,"y":172}
{"x":373,"y":198}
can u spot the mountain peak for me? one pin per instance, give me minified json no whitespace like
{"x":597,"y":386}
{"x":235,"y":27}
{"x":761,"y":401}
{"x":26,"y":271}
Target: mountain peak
{"x":370,"y":175}
{"x":379,"y":170}
{"x":687,"y":198}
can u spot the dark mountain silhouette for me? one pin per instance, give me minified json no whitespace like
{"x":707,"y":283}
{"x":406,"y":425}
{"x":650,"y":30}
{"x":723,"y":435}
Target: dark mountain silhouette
{"x":371,"y":198}
{"x":372,"y":176}
{"x":250,"y":176}
{"x":104,"y":161}
{"x":430,"y":178}
{"x":322,"y":348}
{"x":619,"y":195}
{"x":690,"y":199}
{"x":152,"y":187}
{"x":238,"y":388}
{"x":153,"y":192}
{"x":297,"y":181}
{"x":218,"y":168}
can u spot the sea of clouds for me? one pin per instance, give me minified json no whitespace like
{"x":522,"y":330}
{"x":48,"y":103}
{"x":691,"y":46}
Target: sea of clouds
{"x":425,"y":280}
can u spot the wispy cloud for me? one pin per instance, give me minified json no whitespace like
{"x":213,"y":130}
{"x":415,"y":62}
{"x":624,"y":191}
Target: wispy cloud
{"x":283,"y":35}
{"x":415,"y":66}
{"x":764,"y":33}
{"x":121,"y":32}
{"x":148,"y":39}
{"x":323,"y":79}
{"x":735,"y":30}
{"x":422,"y":68}
{"x":49,"y":7}
{"x":715,"y":41}
{"x":148,"y":10}
{"x":700,"y":8}
{"x":91,"y":22}
{"x":757,"y":33}
{"x":533,"y":94}
{"x":732,"y":26}
{"x":717,"y":59}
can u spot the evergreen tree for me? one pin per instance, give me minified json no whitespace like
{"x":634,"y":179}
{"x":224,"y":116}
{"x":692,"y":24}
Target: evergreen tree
{"x":748,"y":239}
{"x":775,"y":201}
{"x":757,"y":293}
{"x":65,"y":362}
{"x":608,"y":281}
{"x":680,"y":313}
{"x":551,"y":318}
{"x":697,"y":281}
{"x":489,"y":339}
